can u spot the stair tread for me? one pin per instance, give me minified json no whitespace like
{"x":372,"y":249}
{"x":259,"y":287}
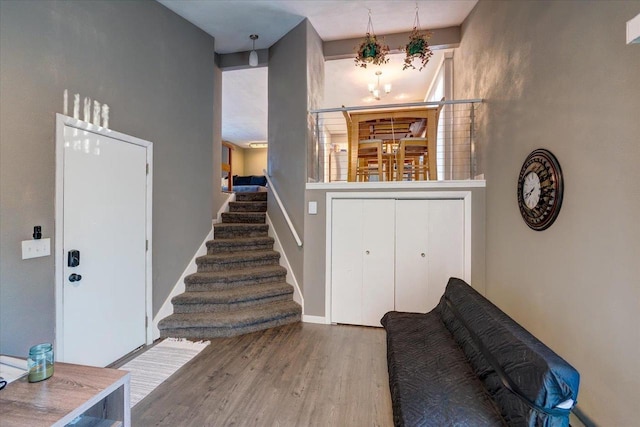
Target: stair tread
{"x":232,"y":245}
{"x":231,"y":275}
{"x":250,"y":213}
{"x":240,"y":240}
{"x":254,"y":201}
{"x":232,"y":319}
{"x":230,"y":295}
{"x":244,"y":202}
{"x":206,"y":333}
{"x":239,"y":224}
{"x":251,"y":196}
{"x":259,"y":206}
{"x":244,"y":217}
{"x":242,"y":255}
{"x":241,"y":229}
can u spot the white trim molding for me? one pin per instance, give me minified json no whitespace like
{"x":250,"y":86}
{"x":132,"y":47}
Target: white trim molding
{"x":231,"y":197}
{"x":321,"y":320}
{"x":178,"y":288}
{"x":284,"y":261}
{"x":397,"y":185}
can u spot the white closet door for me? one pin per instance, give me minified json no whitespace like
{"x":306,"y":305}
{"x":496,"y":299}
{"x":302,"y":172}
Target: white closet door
{"x":362,"y":260}
{"x":429,"y":250}
{"x":412,"y":267}
{"x":446,"y":246}
{"x":378,"y":265}
{"x":346,"y":261}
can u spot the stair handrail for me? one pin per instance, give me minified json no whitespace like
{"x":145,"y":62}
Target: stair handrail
{"x":282,"y":209}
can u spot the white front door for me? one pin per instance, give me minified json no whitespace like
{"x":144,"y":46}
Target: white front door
{"x":105,"y":220}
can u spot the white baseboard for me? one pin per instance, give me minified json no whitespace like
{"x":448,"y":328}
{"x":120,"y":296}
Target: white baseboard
{"x":167,"y":307}
{"x":307,"y":318}
{"x":291,"y":278}
{"x":231,"y":197}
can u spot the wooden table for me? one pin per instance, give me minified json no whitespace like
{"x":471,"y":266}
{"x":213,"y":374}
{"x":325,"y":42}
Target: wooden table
{"x":100,"y":396}
{"x":358,"y":129}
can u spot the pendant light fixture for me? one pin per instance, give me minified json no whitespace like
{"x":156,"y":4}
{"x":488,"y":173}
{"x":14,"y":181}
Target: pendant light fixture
{"x":253,"y":56}
{"x":374,"y":89}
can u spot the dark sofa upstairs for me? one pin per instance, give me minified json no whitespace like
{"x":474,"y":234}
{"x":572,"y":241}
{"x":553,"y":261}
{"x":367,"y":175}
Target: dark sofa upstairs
{"x":466,"y":363}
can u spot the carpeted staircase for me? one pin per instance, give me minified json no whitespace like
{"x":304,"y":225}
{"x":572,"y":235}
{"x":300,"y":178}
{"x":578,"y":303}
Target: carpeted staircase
{"x":240,"y":286}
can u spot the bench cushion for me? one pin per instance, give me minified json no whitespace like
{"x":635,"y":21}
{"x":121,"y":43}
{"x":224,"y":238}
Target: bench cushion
{"x":431,"y":381}
{"x":543,"y":376}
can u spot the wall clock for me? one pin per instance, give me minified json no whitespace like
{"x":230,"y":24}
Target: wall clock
{"x":540,"y":188}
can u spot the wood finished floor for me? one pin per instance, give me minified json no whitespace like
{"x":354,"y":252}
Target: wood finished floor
{"x":296,"y":375}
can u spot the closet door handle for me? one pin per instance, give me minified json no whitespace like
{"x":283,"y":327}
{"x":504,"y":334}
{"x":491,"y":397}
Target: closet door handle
{"x":366,"y":252}
{"x":423,"y":255}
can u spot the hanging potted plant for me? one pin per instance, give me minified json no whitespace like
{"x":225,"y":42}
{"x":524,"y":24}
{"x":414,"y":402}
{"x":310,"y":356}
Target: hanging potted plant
{"x":371,"y":51}
{"x":418,"y":46}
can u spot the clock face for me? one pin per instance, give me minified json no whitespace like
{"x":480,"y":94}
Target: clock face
{"x":540,"y":189}
{"x":531,"y":190}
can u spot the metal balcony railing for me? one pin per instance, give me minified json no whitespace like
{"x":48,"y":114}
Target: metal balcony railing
{"x":329,"y":156}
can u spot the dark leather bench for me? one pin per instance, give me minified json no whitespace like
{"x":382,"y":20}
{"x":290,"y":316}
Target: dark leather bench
{"x":466,"y":363}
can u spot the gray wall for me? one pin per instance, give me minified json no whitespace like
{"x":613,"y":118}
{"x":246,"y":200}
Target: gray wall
{"x":559,"y":75}
{"x":155,"y":71}
{"x":296,"y":78}
{"x":315,"y":234}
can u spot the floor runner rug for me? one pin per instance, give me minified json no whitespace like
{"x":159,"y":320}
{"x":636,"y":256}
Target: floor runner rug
{"x":158,"y":363}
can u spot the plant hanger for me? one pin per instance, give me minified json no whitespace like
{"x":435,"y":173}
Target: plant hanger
{"x":371,"y":51}
{"x":418,"y":46}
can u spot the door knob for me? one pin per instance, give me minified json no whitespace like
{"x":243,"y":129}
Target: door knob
{"x":422,"y":255}
{"x":75,"y":277}
{"x":366,"y":252}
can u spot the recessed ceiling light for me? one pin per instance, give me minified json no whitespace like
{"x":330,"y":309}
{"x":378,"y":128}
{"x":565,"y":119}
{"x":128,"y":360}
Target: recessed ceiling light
{"x":258,"y":145}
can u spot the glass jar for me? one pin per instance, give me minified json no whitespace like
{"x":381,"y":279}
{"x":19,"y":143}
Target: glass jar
{"x":40,"y":362}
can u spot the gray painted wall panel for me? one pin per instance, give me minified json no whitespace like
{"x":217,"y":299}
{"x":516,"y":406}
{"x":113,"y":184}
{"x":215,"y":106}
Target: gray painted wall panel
{"x":155,"y":70}
{"x":558,"y":75}
{"x":286,"y":158}
{"x":296,"y":78}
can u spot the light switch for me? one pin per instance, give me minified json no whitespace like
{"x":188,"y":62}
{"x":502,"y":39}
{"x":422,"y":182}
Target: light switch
{"x":313,"y":208}
{"x":36,"y":248}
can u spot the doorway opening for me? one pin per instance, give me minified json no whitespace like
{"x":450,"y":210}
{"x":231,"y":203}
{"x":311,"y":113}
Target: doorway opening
{"x":244,"y":129}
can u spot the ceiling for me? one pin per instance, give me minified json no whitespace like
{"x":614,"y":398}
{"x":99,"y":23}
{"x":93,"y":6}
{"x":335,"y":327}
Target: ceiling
{"x":244,"y":94}
{"x":232,"y":21}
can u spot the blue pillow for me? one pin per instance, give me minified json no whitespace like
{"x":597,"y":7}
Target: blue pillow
{"x":259,"y":180}
{"x":241,"y":180}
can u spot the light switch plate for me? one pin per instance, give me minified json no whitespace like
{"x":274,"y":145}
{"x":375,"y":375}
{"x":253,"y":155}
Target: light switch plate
{"x":313,"y":208}
{"x":36,"y":248}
